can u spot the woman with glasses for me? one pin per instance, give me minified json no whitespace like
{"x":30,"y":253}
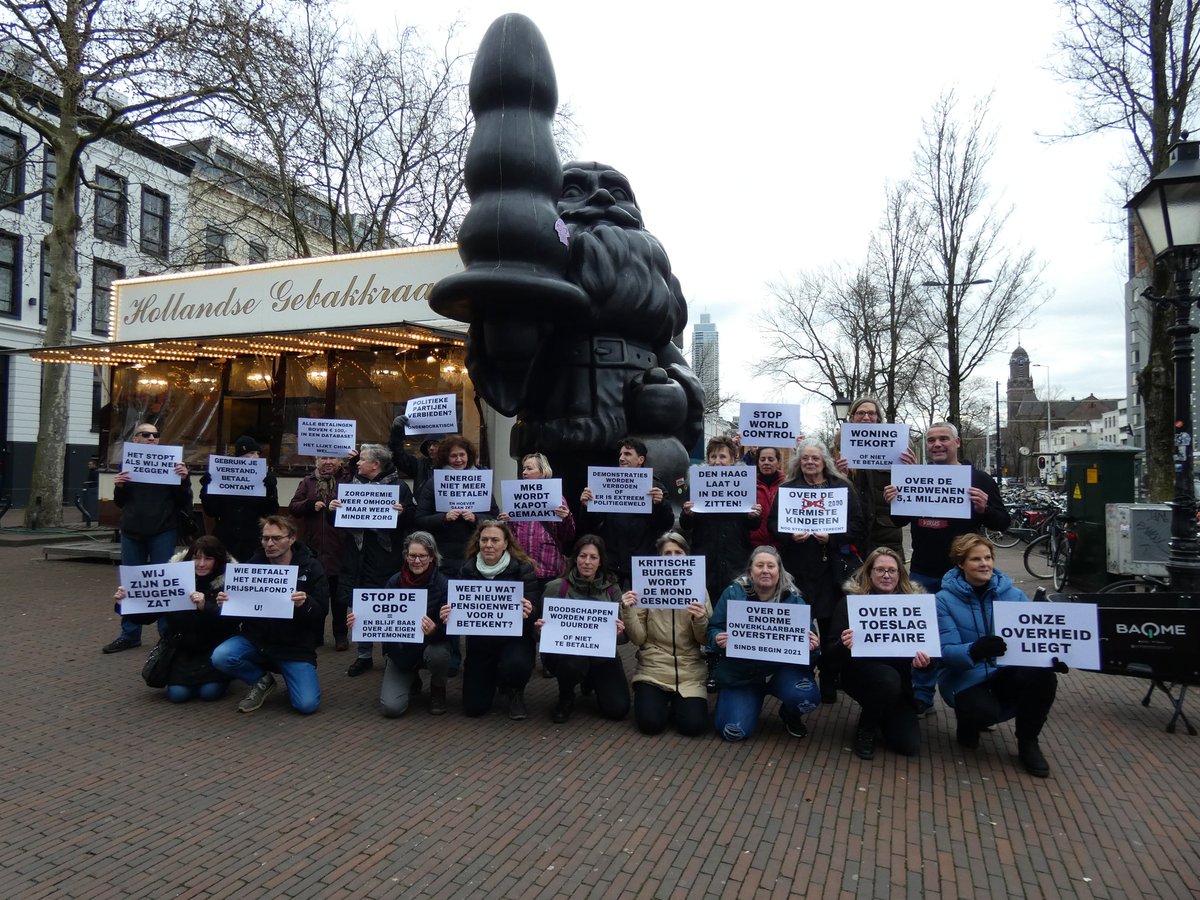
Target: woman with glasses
{"x":503,"y":662}
{"x":881,"y":530}
{"x":882,"y":687}
{"x":419,"y":571}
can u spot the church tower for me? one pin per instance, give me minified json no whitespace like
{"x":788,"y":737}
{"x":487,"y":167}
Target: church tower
{"x":1020,"y":383}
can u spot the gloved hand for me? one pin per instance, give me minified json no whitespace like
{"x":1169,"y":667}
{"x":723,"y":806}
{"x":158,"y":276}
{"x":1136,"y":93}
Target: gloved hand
{"x":1059,"y":666}
{"x":988,"y":647}
{"x":401,"y":421}
{"x":206,"y":479}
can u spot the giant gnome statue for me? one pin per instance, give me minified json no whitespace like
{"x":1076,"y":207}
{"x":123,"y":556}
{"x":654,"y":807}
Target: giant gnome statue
{"x":571,"y":303}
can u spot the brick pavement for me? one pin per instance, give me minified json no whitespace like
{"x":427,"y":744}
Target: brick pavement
{"x":109,"y":791}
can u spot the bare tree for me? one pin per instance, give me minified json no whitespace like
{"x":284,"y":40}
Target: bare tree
{"x":79,"y":72}
{"x":966,"y":246}
{"x":1133,"y":65}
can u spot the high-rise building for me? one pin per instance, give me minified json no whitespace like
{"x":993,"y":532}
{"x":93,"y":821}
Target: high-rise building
{"x":706,"y":360}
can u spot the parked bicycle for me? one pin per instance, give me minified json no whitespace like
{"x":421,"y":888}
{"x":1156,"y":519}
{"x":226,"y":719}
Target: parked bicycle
{"x":1049,"y":555}
{"x":1140,"y":584}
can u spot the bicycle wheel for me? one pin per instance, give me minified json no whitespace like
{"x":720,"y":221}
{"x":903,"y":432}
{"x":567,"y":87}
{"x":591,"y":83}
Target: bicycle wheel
{"x":1062,"y":565}
{"x":1003,"y":539}
{"x":1038,"y":559}
{"x":1134,"y":586}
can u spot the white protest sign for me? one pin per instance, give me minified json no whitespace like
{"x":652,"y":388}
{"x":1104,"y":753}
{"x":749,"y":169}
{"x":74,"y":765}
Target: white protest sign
{"x":366,"y":506}
{"x":237,"y":475}
{"x":259,"y":591}
{"x":772,"y":632}
{"x":769,"y":424}
{"x":579,"y":628}
{"x":165,"y":587}
{"x":620,"y":489}
{"x":813,"y":510}
{"x":722,"y":489}
{"x":433,"y":414}
{"x":388,"y":615}
{"x":151,"y":465}
{"x":894,"y":625}
{"x":325,"y":437}
{"x":873,"y":446}
{"x":668,"y":582}
{"x":469,"y":489}
{"x":531,"y":499}
{"x":938,"y":492}
{"x":491,"y":608}
{"x":1037,"y":632}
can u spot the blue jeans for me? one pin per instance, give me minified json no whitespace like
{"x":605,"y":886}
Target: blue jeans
{"x":209,"y":690}
{"x":240,"y":659}
{"x":157,"y":548}
{"x":924,"y":681}
{"x":738,"y":708}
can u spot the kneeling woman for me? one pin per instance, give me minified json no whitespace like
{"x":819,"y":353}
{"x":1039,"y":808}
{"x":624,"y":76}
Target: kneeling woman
{"x":196,"y":633}
{"x":980,"y":692}
{"x":588,"y":578}
{"x":882,"y":687}
{"x":492,"y":554}
{"x":744,"y":683}
{"x":419,"y":571}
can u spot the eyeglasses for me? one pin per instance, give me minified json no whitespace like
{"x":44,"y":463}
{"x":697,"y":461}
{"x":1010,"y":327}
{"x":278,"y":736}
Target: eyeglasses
{"x":892,"y":572}
{"x":147,"y":434}
{"x":274,"y":538}
{"x":418,"y":557}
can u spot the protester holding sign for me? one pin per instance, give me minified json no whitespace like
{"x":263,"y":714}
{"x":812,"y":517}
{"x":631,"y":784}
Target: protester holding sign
{"x":418,"y":573}
{"x":452,"y":529}
{"x":671,"y":670}
{"x":743,"y":684}
{"x":769,"y":465}
{"x":283,"y":645}
{"x":194,"y":634}
{"x":416,"y":466}
{"x":981,"y":692}
{"x":821,"y":561}
{"x":310,"y":507}
{"x":237,"y":515}
{"x":543,"y":541}
{"x":588,"y":578}
{"x":149,"y":517}
{"x":722,"y":538}
{"x":503,"y":663}
{"x":371,"y":555}
{"x":628,"y":534}
{"x":870,"y":483}
{"x":882,"y":687}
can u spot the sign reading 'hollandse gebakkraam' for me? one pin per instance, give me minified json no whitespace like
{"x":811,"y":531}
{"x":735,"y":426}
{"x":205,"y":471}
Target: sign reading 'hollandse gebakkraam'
{"x":813,"y":510}
{"x":259,"y":591}
{"x":873,"y":446}
{"x":668,"y":582}
{"x":490,"y":608}
{"x":367,"y":506}
{"x":894,"y":625}
{"x":237,"y":475}
{"x":769,"y":424}
{"x":1036,"y":633}
{"x":579,"y":628}
{"x":531,"y":499}
{"x":389,"y":615}
{"x":773,"y":632}
{"x":151,"y":465}
{"x":620,"y":489}
{"x":166,"y":587}
{"x":325,"y":437}
{"x":717,"y":489}
{"x":938,"y":492}
{"x":431,"y":415}
{"x":469,"y":489}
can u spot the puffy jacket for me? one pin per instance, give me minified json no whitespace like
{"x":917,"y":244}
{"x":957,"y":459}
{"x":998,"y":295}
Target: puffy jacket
{"x":964,"y":617}
{"x":733,"y":671}
{"x":670,"y":648}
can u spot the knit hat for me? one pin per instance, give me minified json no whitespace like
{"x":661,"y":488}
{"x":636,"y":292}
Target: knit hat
{"x":246,"y":444}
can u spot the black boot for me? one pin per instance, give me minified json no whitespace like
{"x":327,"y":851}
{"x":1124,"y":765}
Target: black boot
{"x":562,"y":710}
{"x":967,"y":733}
{"x":1031,"y":757}
{"x":864,"y":739}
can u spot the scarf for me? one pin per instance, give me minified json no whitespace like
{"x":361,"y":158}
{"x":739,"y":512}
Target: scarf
{"x":492,"y":571}
{"x":410,"y":580}
{"x":326,"y":486}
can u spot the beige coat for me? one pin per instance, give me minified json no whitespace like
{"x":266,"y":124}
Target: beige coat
{"x":669,"y":648}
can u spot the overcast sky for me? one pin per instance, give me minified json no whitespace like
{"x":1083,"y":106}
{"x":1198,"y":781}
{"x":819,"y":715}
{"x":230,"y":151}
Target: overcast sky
{"x":759,"y":138}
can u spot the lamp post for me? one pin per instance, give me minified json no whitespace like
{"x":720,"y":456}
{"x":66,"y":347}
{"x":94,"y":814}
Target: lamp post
{"x":1049,"y":427}
{"x":841,"y":407}
{"x":952,"y":330}
{"x":1168,"y":209}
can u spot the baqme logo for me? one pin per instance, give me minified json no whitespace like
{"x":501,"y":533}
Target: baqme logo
{"x":1152,"y":630}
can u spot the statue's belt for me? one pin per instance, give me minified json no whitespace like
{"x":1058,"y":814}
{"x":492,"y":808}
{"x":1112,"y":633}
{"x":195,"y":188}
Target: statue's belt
{"x":616,"y":353}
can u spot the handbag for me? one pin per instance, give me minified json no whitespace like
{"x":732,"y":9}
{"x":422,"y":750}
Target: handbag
{"x":157,"y":668}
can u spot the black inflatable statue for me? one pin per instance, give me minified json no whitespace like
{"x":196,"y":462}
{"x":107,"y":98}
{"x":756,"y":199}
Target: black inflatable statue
{"x":571,"y":302}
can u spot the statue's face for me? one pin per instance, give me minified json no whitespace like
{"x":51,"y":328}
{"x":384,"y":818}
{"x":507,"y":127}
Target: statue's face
{"x":592,"y":192}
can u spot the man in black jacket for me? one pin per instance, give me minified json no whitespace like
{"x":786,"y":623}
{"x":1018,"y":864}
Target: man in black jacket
{"x":283,"y":645}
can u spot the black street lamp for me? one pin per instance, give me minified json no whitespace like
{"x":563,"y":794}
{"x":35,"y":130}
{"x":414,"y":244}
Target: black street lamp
{"x":841,"y":407}
{"x":1168,"y":208}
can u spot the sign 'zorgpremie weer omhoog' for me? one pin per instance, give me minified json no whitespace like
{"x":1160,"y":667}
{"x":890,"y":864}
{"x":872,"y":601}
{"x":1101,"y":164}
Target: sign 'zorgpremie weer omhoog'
{"x":299,"y":294}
